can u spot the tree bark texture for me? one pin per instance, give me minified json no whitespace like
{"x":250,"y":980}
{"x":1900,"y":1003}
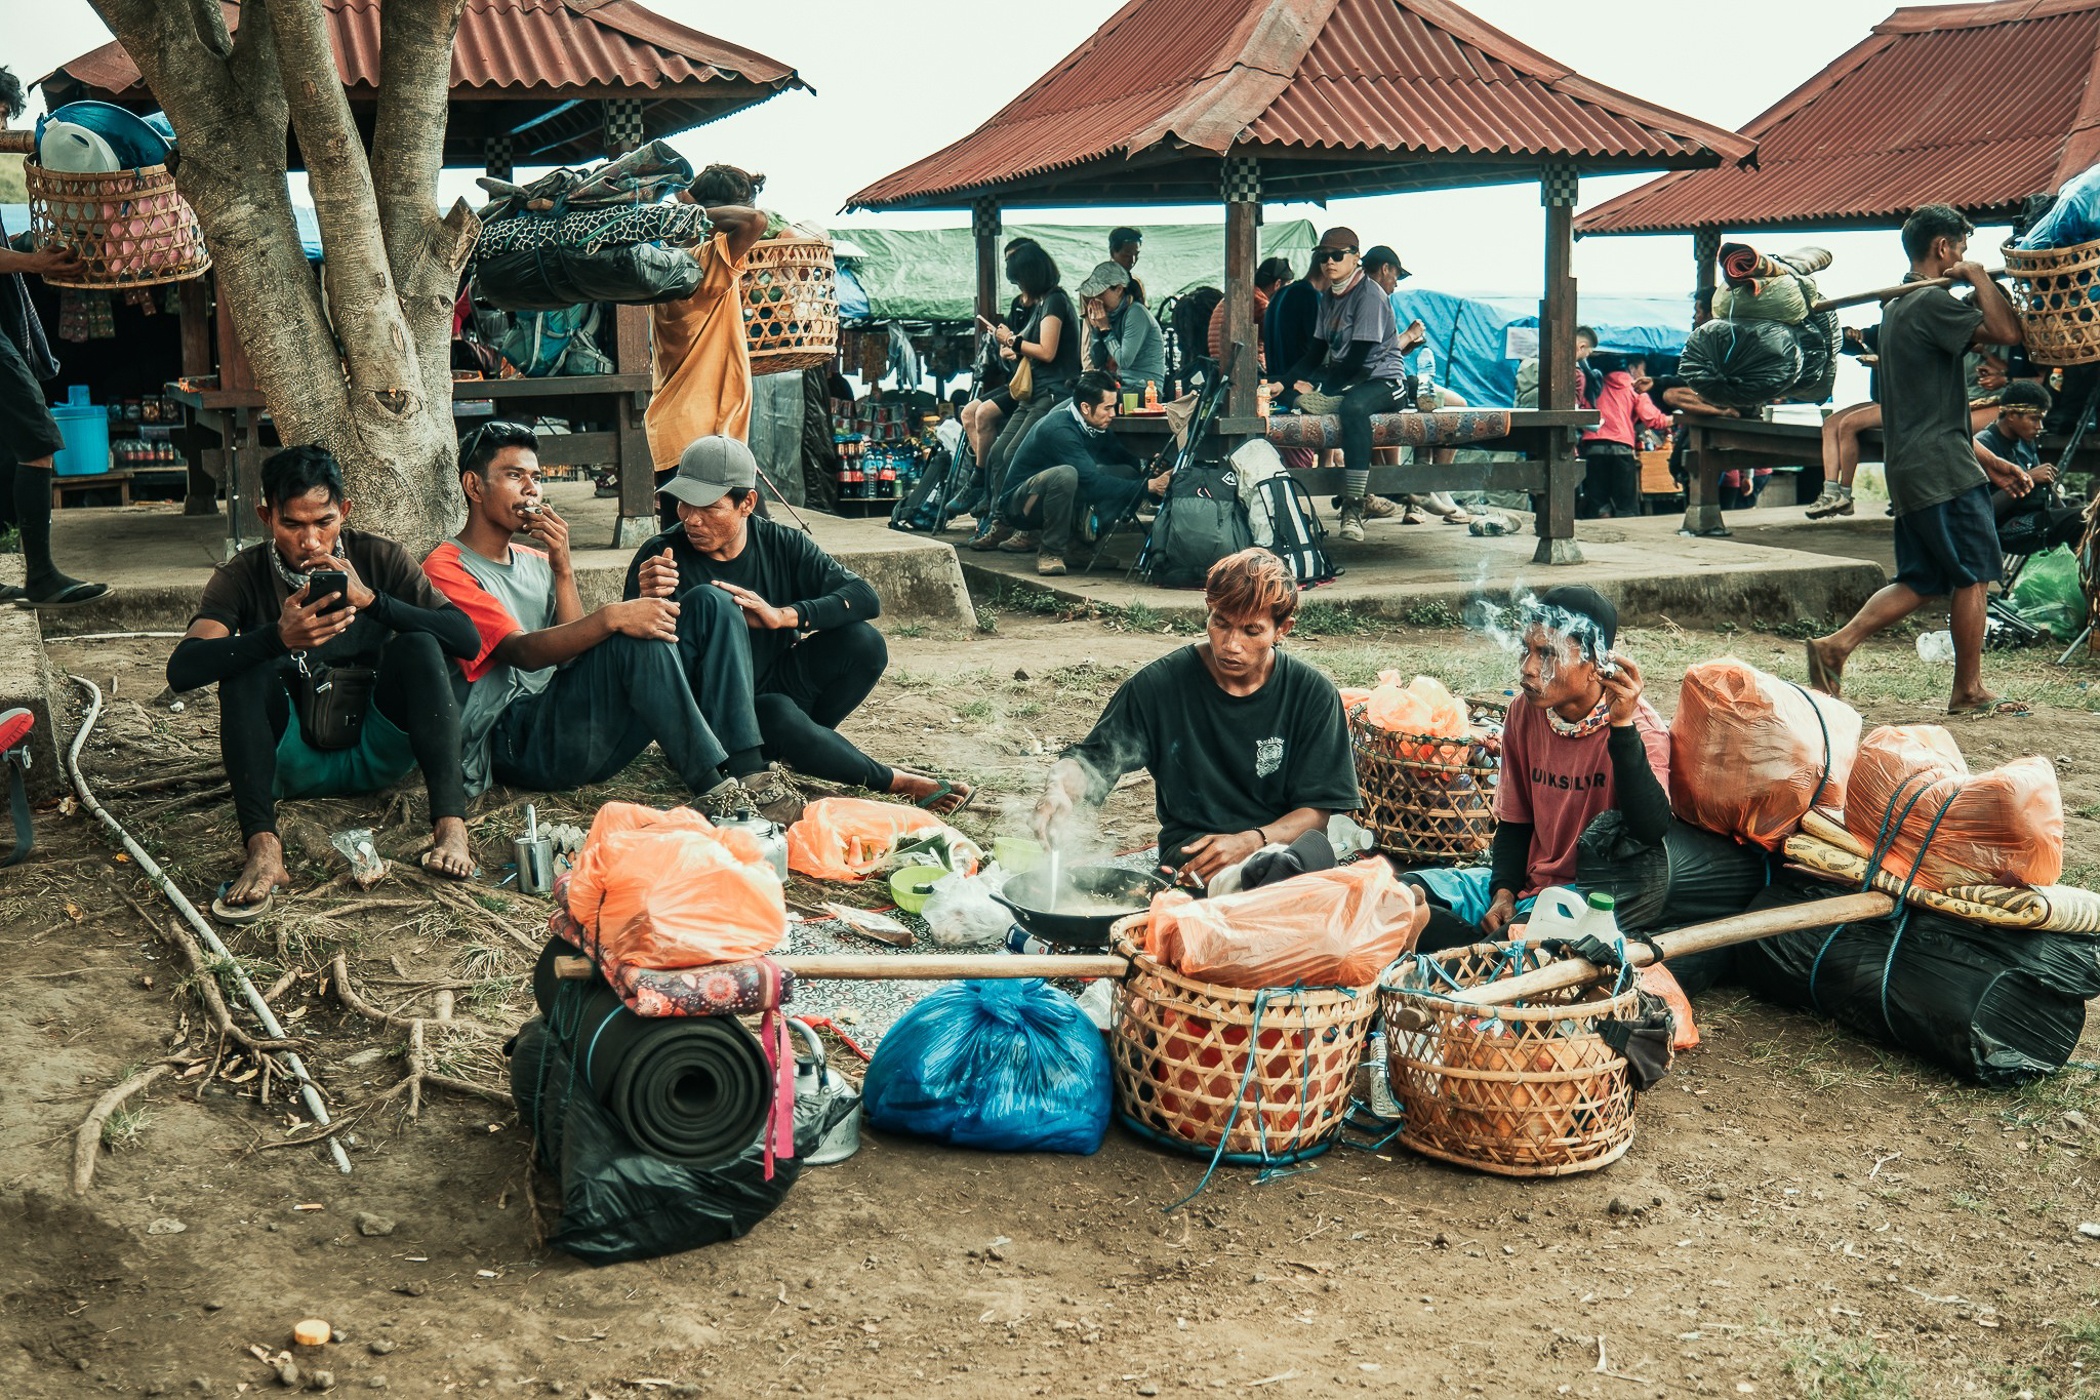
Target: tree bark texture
{"x":358,"y":360}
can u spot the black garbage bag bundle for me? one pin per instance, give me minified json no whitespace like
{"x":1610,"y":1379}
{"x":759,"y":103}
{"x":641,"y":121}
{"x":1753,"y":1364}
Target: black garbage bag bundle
{"x":1818,"y":337}
{"x":552,"y":277}
{"x":1998,"y":1006}
{"x":1741,"y":364}
{"x":1692,"y":877}
{"x":619,"y":1202}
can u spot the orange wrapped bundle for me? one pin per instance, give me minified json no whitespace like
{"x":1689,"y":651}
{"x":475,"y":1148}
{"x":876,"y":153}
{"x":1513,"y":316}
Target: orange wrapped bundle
{"x":2004,"y":827}
{"x":1423,"y":706}
{"x":1327,"y":928}
{"x":1749,"y":752}
{"x":849,"y":838}
{"x":669,"y":890}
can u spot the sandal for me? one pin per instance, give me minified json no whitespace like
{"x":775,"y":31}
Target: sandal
{"x":71,"y":596}
{"x":943,"y":790}
{"x":239,"y":913}
{"x":1994,"y":709}
{"x":1459,"y":517}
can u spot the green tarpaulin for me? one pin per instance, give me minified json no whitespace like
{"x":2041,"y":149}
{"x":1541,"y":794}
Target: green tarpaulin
{"x":931,"y":274}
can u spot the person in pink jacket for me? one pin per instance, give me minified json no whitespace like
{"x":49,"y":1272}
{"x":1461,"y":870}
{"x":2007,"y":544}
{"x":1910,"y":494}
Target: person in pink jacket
{"x":1612,"y":483}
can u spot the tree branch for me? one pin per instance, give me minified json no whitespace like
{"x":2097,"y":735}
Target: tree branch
{"x":87,"y":1139}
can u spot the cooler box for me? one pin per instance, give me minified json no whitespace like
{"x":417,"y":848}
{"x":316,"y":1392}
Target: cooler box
{"x":85,"y":427}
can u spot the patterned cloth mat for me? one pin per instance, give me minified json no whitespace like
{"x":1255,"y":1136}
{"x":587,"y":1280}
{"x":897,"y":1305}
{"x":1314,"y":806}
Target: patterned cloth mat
{"x":1826,"y":848}
{"x":1444,"y":427}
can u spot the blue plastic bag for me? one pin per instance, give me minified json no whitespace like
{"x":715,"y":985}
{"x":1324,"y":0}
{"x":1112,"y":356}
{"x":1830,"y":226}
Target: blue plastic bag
{"x":1004,"y":1065}
{"x":2073,"y":219}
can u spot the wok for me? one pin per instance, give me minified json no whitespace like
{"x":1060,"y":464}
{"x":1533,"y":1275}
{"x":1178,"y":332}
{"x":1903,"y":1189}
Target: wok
{"x":1027,"y":895}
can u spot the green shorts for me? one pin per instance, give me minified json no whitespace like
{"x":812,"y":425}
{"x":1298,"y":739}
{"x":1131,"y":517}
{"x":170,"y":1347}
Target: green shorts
{"x":380,"y":758}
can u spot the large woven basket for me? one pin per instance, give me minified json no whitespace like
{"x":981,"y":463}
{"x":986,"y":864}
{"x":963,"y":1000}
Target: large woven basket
{"x":1429,"y":800}
{"x":129,"y":226}
{"x":2054,"y":291}
{"x":791,"y":304}
{"x":1186,"y":1077}
{"x":1527,"y":1090}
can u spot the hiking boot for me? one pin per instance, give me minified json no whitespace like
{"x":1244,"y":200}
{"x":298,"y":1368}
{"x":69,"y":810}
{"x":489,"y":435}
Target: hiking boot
{"x":992,"y":538}
{"x":1377,"y":507}
{"x":1352,"y":526}
{"x":724,"y":799}
{"x":1830,"y":503}
{"x":1050,"y":565}
{"x":1414,"y":515}
{"x":769,"y":793}
{"x":1023,"y":543}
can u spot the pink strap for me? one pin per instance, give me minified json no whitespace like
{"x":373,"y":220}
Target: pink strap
{"x":780,"y":1121}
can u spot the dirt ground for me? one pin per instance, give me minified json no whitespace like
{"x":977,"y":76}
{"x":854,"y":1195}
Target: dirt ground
{"x":1803,"y":1213}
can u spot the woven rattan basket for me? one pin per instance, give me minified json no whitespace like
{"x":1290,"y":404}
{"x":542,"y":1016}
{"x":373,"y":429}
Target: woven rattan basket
{"x":1182,"y":1061}
{"x":129,"y":226}
{"x":791,"y":304}
{"x":1527,"y":1090}
{"x":2054,"y":291}
{"x":1430,"y":801}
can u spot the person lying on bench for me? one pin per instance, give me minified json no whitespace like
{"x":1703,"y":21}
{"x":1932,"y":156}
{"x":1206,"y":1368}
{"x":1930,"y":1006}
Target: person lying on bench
{"x":553,"y":697}
{"x":1247,"y":746}
{"x":1580,"y":740}
{"x":1067,"y":464}
{"x":807,"y":620}
{"x":325,"y":693}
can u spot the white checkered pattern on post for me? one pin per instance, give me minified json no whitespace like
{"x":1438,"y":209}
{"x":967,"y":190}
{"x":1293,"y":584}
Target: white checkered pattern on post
{"x":1559,"y":185}
{"x":496,"y":157}
{"x":1240,"y":181}
{"x":622,"y":117}
{"x":984,"y":218}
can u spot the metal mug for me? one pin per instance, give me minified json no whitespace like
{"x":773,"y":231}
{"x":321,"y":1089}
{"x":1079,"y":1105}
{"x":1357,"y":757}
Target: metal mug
{"x":535,"y":858}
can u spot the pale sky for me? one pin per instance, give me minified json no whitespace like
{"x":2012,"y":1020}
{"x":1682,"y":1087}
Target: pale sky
{"x":898,"y":80}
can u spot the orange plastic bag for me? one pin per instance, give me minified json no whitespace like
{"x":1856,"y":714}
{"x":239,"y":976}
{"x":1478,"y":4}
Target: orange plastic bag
{"x":1327,"y":928}
{"x":1658,"y":980}
{"x":669,"y":890}
{"x":1750,"y":752}
{"x":1423,"y":706}
{"x":849,"y":838}
{"x":2004,"y":827}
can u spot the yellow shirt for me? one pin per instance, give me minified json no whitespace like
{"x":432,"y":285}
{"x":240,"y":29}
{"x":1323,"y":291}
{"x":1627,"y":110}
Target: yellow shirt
{"x":702,"y":362}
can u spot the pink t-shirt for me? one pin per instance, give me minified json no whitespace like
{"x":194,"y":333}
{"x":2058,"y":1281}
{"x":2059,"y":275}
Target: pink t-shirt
{"x":1560,"y":785}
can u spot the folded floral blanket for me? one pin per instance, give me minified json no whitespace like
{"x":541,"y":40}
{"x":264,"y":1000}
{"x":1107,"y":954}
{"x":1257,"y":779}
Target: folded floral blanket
{"x":723,"y":989}
{"x":1825,"y":848}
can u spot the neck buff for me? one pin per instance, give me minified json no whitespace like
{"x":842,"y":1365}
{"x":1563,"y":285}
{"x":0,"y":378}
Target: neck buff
{"x":1582,"y":728}
{"x":284,"y":571}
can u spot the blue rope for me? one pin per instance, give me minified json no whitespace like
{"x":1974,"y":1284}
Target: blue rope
{"x":1823,"y":724}
{"x":1903,"y":918}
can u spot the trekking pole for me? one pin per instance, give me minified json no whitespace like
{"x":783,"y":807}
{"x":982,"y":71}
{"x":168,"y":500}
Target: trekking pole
{"x":780,"y":498}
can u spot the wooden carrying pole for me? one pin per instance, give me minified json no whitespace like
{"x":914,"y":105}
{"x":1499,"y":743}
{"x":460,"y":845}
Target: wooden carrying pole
{"x":1889,"y":293}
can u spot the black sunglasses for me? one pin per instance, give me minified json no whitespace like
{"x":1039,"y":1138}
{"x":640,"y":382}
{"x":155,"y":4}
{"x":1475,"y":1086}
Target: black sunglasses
{"x":1333,"y":254}
{"x":472,"y":442}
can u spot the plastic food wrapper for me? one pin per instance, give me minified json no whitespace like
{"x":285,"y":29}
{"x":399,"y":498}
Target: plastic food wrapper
{"x":1423,"y":706}
{"x":1007,"y":1066}
{"x":850,"y":838}
{"x":366,"y":868}
{"x":2004,"y":827}
{"x":961,"y":913}
{"x":1327,"y":928}
{"x":671,"y":890}
{"x":1749,"y":752}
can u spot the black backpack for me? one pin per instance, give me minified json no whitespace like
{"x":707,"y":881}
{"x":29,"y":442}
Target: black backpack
{"x":924,"y":509}
{"x":1200,"y":522}
{"x":1295,"y":529}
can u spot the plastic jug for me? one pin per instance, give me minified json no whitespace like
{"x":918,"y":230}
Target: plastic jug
{"x":1558,"y":912}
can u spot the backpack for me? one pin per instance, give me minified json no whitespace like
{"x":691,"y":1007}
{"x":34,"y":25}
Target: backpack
{"x":924,"y":509}
{"x":1295,"y":530}
{"x":1199,"y":523}
{"x":538,"y":340}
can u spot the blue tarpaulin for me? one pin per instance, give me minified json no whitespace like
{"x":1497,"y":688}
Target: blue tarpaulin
{"x":1480,"y":337}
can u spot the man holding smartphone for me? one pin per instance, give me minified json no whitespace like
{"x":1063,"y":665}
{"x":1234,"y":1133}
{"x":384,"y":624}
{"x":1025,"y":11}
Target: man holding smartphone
{"x":328,"y":646}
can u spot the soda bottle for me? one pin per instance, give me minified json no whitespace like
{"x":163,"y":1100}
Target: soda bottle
{"x":1151,"y":394}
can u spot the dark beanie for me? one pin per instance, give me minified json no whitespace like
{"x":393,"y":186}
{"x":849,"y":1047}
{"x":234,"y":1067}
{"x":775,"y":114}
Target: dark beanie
{"x":1585,"y":601}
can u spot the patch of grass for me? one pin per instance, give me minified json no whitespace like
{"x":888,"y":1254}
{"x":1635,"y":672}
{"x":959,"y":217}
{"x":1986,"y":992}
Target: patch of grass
{"x":1137,"y":617}
{"x":1027,"y":709}
{"x":2090,"y":811}
{"x":122,"y":1128}
{"x":1431,"y":614}
{"x":974,"y":709}
{"x":1799,"y":630}
{"x":2084,"y":873}
{"x":2082,"y":1333}
{"x":910,"y":629}
{"x":1334,"y":620}
{"x":1974,"y":1205}
{"x":987,"y":619}
{"x":10,"y":541}
{"x":1028,"y":600}
{"x":912,"y":680}
{"x":1835,"y":1368}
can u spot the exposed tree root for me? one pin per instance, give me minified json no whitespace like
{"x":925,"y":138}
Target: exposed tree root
{"x":87,"y":1140}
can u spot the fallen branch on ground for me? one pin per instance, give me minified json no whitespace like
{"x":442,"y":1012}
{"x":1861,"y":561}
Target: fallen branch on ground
{"x":208,"y":984}
{"x":87,"y":1139}
{"x":420,"y":1075}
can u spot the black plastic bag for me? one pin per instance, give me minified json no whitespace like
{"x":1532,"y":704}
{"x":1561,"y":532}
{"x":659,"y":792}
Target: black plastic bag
{"x":618,"y":1202}
{"x":1818,"y":338}
{"x":1999,"y":1006}
{"x":1694,"y":876}
{"x":1741,"y":364}
{"x":547,"y":279}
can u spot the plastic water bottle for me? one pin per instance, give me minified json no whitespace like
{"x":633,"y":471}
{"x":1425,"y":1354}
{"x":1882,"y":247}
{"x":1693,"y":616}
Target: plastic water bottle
{"x":1426,"y":399}
{"x":1936,"y":648}
{"x":1600,"y":920}
{"x":1558,"y":912}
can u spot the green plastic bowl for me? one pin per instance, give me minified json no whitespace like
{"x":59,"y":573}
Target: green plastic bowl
{"x":910,"y":885}
{"x":1017,"y":855}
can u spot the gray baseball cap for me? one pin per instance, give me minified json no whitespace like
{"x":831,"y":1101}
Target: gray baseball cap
{"x":709,"y":469}
{"x":1107,"y":275}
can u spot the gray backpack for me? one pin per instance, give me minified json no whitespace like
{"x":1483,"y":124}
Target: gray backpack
{"x":1200,"y":522}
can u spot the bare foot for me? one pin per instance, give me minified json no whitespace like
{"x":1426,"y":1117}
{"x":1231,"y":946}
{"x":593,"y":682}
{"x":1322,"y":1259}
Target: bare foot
{"x":448,"y":855}
{"x":940,"y":796}
{"x":263,"y":873}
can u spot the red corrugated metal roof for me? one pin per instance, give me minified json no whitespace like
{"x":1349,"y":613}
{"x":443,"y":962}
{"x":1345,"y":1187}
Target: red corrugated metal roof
{"x":1301,"y":78}
{"x":1977,"y":105}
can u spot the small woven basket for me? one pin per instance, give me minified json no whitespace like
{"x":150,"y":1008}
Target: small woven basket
{"x":2054,"y":290}
{"x":1528,"y":1090}
{"x":129,"y":226}
{"x":791,"y":304}
{"x":1185,"y":1077}
{"x":1429,"y":800}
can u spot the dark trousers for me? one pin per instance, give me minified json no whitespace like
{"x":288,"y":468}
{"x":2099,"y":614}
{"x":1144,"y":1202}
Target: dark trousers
{"x":808,"y":694}
{"x":1046,"y":503}
{"x":412,"y":691}
{"x":602,"y":709}
{"x":28,"y":433}
{"x":1026,"y":415}
{"x":1359,"y":403}
{"x":1611,"y":486}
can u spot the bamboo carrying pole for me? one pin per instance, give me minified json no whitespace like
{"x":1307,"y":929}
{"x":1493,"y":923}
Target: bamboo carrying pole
{"x":875,"y":967}
{"x":1889,"y":293}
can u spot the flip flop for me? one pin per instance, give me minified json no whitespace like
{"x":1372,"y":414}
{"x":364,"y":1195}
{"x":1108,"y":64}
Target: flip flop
{"x":1820,"y":676}
{"x":72,"y":596}
{"x":1459,"y":517}
{"x":942,"y":791}
{"x":239,"y":913}
{"x":1994,"y":709}
{"x":13,"y":593}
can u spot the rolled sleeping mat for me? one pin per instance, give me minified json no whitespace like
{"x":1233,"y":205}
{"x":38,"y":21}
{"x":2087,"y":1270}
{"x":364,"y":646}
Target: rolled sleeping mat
{"x":1694,"y":877}
{"x":694,"y":1090}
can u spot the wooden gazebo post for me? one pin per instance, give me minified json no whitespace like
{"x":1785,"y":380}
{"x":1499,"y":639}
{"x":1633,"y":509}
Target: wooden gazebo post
{"x":1555,"y":523}
{"x":1240,"y":184}
{"x":986,"y":228}
{"x":622,"y":117}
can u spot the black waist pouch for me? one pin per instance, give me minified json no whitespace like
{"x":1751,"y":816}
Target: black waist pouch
{"x":332,"y":704}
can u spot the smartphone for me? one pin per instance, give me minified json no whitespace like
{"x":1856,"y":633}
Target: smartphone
{"x":322,"y":582}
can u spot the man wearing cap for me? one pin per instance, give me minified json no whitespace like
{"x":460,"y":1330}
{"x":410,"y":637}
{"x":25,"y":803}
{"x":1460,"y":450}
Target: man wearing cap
{"x":1355,"y":356}
{"x":1121,"y":335}
{"x":810,"y":647}
{"x":556,"y":697}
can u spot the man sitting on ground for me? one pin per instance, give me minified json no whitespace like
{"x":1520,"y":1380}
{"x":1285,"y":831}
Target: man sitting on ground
{"x":2038,"y":520}
{"x":1580,"y":740}
{"x":1247,"y":746}
{"x":808,"y":620}
{"x":1065,"y":465}
{"x":552,"y":697}
{"x":362,"y":663}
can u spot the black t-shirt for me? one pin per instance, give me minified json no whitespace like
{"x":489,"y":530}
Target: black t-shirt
{"x":1925,"y":335}
{"x":1223,"y":763}
{"x":785,"y":567}
{"x":1056,"y":374}
{"x":245,"y":594}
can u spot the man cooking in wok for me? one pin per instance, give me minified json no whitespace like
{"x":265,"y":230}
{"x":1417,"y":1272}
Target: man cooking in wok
{"x":1247,"y":746}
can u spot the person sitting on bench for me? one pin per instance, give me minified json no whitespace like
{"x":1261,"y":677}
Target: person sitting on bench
{"x":1580,"y":740}
{"x":808,"y":621}
{"x":2038,"y":520}
{"x":358,"y":665}
{"x":553,"y":697}
{"x":1067,"y":463}
{"x":1246,"y":745}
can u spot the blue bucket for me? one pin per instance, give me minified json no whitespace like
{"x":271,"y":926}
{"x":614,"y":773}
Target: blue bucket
{"x":85,"y":427}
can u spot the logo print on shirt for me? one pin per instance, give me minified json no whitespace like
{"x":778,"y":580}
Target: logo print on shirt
{"x":1268,"y":756}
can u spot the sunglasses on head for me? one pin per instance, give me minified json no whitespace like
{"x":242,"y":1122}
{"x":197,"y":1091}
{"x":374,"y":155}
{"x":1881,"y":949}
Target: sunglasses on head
{"x":1335,"y":254}
{"x":473,"y":440}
